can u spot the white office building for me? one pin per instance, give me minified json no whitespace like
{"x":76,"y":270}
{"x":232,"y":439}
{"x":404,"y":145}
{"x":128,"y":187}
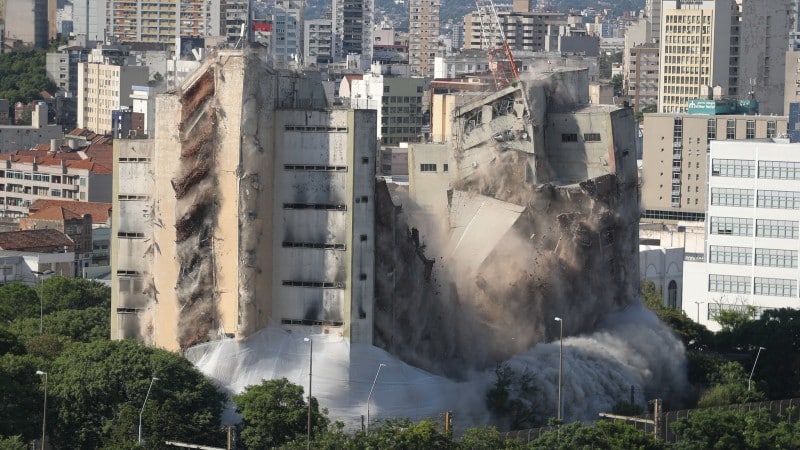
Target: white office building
{"x":752,"y":239}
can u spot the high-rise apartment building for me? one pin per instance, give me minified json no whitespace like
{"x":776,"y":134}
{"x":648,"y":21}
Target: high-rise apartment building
{"x":423,"y":35}
{"x":89,"y":19}
{"x":287,"y":31}
{"x":27,"y":22}
{"x":278,"y":232}
{"x":674,"y":164}
{"x":523,"y":31}
{"x":641,"y":75}
{"x":317,"y":42}
{"x":652,"y":11}
{"x":752,"y":240}
{"x":105,"y":84}
{"x":234,"y":14}
{"x":738,"y":45}
{"x":162,"y":21}
{"x":352,"y":24}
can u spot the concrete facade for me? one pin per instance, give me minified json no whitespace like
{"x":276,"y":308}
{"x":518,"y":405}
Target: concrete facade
{"x":675,"y":167}
{"x":279,"y":232}
{"x":397,"y":100}
{"x":750,"y":261}
{"x":105,"y":84}
{"x":14,"y":137}
{"x":317,"y":42}
{"x":423,"y":39}
{"x":641,"y":73}
{"x":89,"y":19}
{"x":287,"y":32}
{"x":156,"y":21}
{"x":27,"y":23}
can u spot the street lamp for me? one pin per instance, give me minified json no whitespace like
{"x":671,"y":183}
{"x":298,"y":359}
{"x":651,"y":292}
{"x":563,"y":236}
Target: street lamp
{"x":310,"y":355}
{"x":369,"y":397}
{"x":39,"y":276}
{"x":749,"y":380}
{"x":698,"y":311}
{"x":560,"y":362}
{"x":44,"y":413}
{"x":152,"y":380}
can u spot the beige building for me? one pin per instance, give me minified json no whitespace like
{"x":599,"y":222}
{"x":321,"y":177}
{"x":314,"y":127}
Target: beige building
{"x":155,"y":21}
{"x":423,"y":36}
{"x":641,"y":75}
{"x":674,"y":166}
{"x":105,"y":84}
{"x":27,"y":22}
{"x":527,"y":31}
{"x":279,"y":232}
{"x":738,"y":45}
{"x":14,"y":137}
{"x":791,"y":90}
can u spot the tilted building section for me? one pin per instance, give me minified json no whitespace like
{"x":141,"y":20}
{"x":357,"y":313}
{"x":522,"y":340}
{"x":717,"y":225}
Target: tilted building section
{"x":251,"y":207}
{"x":527,"y":211}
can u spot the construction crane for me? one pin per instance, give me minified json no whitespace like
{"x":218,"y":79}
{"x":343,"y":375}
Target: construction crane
{"x":493,"y":40}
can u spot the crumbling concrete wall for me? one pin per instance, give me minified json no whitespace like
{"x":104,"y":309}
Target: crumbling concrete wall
{"x":571,"y":250}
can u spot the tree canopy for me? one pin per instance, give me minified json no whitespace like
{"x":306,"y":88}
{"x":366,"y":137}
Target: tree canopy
{"x":23,"y":76}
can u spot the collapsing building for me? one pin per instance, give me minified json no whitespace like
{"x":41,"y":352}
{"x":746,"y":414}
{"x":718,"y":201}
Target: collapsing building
{"x":527,"y":211}
{"x":252,"y":207}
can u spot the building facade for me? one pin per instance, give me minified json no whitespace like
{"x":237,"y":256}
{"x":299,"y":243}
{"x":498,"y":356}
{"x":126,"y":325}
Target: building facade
{"x":293,"y":199}
{"x":105,"y":84}
{"x":751,"y":258}
{"x":27,"y":22}
{"x":156,"y":21}
{"x":15,"y":137}
{"x":318,"y":42}
{"x":423,"y":36}
{"x":287,"y":31}
{"x":674,"y":164}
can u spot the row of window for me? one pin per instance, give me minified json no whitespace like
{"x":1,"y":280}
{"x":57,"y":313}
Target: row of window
{"x":432,"y":167}
{"x":47,"y":178}
{"x":733,"y":284}
{"x":745,"y":168}
{"x":740,"y":226}
{"x":764,"y":198}
{"x":766,"y":257}
{"x":587,"y":137}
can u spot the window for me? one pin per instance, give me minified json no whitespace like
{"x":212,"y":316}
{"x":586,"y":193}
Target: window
{"x":782,"y":229}
{"x":730,"y":129}
{"x":729,"y":284}
{"x":591,"y":137}
{"x":732,"y":197}
{"x":775,"y":286}
{"x":446,"y":167}
{"x":773,"y":257}
{"x":779,"y":170}
{"x":427,"y":167}
{"x":733,"y":226}
{"x":779,"y":199}
{"x":711,"y":129}
{"x":730,"y":255}
{"x":738,"y":168}
{"x":771,"y":129}
{"x":569,"y":137}
{"x":750,"y":129}
{"x":56,"y":192}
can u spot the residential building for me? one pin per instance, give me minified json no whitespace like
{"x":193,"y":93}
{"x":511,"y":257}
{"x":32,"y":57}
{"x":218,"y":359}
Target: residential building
{"x":750,"y":261}
{"x":78,"y":228}
{"x":13,"y":137}
{"x":198,"y":255}
{"x":353,"y":27}
{"x":156,"y":21}
{"x":318,"y":42}
{"x":27,"y":22}
{"x":641,"y":72}
{"x":105,"y":84}
{"x":397,"y":100}
{"x":62,"y":67}
{"x":100,"y":213}
{"x":30,"y":256}
{"x":144,"y":102}
{"x":287,"y":33}
{"x":652,"y":11}
{"x":234,"y":14}
{"x":89,"y":19}
{"x":738,"y":46}
{"x":528,"y":31}
{"x":29,"y":175}
{"x":423,"y":36}
{"x":674,"y":164}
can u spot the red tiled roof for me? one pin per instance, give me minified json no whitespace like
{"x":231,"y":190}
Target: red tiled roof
{"x":44,"y":238}
{"x":53,"y":212}
{"x":100,"y":211}
{"x":98,"y":158}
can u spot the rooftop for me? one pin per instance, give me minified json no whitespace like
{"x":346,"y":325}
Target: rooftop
{"x":45,"y":239}
{"x":100,"y":211}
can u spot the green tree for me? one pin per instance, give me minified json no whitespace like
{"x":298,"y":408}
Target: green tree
{"x":404,"y":434}
{"x":82,"y":325}
{"x":12,"y":443}
{"x":9,"y":343}
{"x":603,"y":434}
{"x":734,"y":429}
{"x":17,"y":300}
{"x":274,"y":413}
{"x":487,"y":438}
{"x":510,"y":400}
{"x":98,"y":388}
{"x":62,"y":293}
{"x":729,"y":387}
{"x":21,"y":396}
{"x":23,"y":76}
{"x":617,"y":82}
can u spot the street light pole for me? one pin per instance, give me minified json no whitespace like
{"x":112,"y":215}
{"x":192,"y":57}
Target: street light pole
{"x":44,"y":412}
{"x":310,"y":362}
{"x":750,"y":380}
{"x":152,"y":380}
{"x":560,"y":362}
{"x":369,"y":397}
